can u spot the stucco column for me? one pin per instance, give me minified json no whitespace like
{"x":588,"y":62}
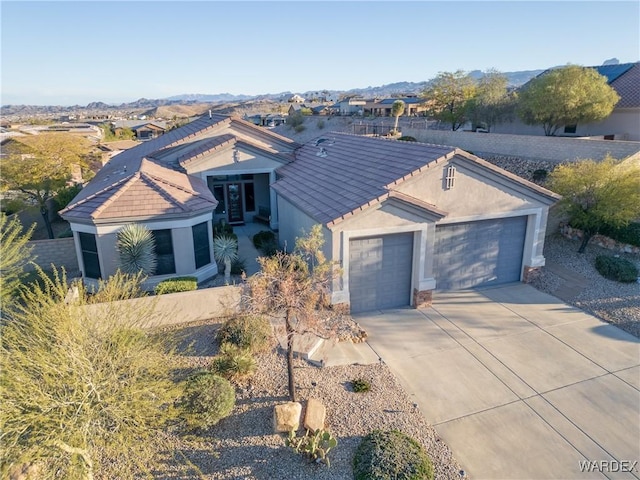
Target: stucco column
{"x":273,"y":202}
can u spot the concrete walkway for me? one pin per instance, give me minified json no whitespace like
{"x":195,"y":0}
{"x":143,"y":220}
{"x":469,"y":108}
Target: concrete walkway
{"x":517,"y":383}
{"x":246,"y":250}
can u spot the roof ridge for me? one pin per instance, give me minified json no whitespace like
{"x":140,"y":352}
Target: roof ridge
{"x":157,"y":178}
{"x":99,"y":192}
{"x":152,"y":181}
{"x":126,"y":185}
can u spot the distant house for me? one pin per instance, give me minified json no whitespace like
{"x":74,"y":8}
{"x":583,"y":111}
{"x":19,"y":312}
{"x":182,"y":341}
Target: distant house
{"x":296,"y":99}
{"x":143,"y":129}
{"x":412,"y":106}
{"x":350,"y":106}
{"x":622,"y":124}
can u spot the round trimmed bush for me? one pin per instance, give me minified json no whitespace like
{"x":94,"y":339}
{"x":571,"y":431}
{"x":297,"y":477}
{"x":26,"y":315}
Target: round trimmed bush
{"x":207,"y":399}
{"x":387,"y":455}
{"x":234,"y":363}
{"x":262,"y":237}
{"x":616,"y":268}
{"x":249,"y":332}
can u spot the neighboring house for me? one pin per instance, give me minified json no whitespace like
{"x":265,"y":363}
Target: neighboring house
{"x":213,"y":168}
{"x":412,"y":106}
{"x":296,"y":99}
{"x":143,"y":129}
{"x":622,"y":124}
{"x":403,"y":219}
{"x":350,"y":106}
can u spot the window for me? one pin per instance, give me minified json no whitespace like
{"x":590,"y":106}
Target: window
{"x":164,"y":252}
{"x":90,"y":258}
{"x":201,"y":250}
{"x":570,"y":128}
{"x":249,"y":197}
{"x":218,"y":192}
{"x":451,"y":177}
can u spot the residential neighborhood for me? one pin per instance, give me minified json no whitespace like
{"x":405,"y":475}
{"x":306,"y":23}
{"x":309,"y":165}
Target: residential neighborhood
{"x":436,"y":276}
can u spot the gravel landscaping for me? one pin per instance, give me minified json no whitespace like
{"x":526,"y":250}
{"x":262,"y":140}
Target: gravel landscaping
{"x":614,"y":302}
{"x":243,"y":446}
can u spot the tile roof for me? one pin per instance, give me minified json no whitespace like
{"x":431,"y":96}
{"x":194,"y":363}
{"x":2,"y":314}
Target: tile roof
{"x":148,"y":179}
{"x":628,"y":87}
{"x":408,"y":100}
{"x":340,"y":173}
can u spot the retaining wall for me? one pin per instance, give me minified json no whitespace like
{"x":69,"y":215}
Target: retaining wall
{"x":555,"y":149}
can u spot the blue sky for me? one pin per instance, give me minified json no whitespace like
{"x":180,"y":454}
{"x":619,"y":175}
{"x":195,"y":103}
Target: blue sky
{"x":65,"y":53}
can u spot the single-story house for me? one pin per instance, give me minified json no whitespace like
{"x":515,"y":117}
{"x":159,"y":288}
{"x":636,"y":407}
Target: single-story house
{"x":622,"y":124}
{"x":144,"y":130}
{"x":178,"y":185}
{"x":403,"y":219}
{"x":350,"y":106}
{"x":412,"y":106}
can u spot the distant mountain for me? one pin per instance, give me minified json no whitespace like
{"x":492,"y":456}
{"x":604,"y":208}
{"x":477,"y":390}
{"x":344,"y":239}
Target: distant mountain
{"x":208,"y":98}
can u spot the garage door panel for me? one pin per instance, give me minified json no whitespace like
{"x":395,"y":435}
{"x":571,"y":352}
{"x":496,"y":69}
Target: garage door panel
{"x":380,"y":271}
{"x":472,"y":254}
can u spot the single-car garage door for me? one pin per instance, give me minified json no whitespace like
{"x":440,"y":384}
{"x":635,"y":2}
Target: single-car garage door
{"x":482,"y":253}
{"x":380,"y":271}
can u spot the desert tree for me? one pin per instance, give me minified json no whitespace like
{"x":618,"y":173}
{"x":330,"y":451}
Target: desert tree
{"x":15,"y":253}
{"x":397,"y":109}
{"x":87,"y":392}
{"x":38,"y":166}
{"x":448,"y":97}
{"x":295,"y":286}
{"x":492,"y":103}
{"x":596,"y":194}
{"x":566,"y":96}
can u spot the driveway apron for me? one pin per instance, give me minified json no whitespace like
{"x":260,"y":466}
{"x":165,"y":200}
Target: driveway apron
{"x":518,"y":384}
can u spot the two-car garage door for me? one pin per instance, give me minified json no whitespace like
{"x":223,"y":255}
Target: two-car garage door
{"x":466,"y":255}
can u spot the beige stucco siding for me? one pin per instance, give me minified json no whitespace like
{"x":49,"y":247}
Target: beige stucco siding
{"x":231,"y":161}
{"x":295,"y":223}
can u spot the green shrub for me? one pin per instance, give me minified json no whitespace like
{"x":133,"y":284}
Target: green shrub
{"x":314,"y":445}
{"x":391,"y":455}
{"x":238,"y":266}
{"x":233,"y":363}
{"x":253,"y":333}
{"x":262,"y":237}
{"x":360,"y":385}
{"x":300,"y":128}
{"x":65,"y":195}
{"x":222,"y":228}
{"x":11,"y":206}
{"x":269,"y":249}
{"x":407,"y":138}
{"x":540,"y":175}
{"x":207,"y":399}
{"x":295,"y":120}
{"x":320,"y":124}
{"x":177,"y":284}
{"x":616,"y":268}
{"x":629,"y":234}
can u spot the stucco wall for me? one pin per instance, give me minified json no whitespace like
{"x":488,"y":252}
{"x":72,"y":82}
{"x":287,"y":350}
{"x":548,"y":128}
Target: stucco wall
{"x":555,"y":149}
{"x":60,"y":251}
{"x":295,"y":224}
{"x":183,"y":307}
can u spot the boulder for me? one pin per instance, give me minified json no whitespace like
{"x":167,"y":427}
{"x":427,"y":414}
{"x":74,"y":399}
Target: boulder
{"x":315,"y":415}
{"x":286,"y":416}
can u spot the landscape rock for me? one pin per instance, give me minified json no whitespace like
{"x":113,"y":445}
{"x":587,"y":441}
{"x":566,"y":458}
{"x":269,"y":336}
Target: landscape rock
{"x":286,"y":417}
{"x":315,"y":415}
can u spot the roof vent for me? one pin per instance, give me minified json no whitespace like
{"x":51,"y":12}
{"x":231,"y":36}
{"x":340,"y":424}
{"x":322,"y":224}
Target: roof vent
{"x":326,"y":141}
{"x":322,"y":152}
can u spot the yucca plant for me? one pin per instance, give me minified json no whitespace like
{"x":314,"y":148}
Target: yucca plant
{"x":225,"y":250}
{"x":137,"y":249}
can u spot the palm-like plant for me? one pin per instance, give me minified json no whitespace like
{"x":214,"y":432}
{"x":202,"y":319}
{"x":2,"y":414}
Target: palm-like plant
{"x":225,"y":250}
{"x":397,"y":109}
{"x":137,"y":249}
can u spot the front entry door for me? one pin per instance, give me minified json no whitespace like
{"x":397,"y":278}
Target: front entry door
{"x":234,"y":194}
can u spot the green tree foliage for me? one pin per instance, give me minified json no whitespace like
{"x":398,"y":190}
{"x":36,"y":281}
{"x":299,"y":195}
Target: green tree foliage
{"x":14,"y":255}
{"x":492,"y":103}
{"x":294,"y":286}
{"x":109,"y":133}
{"x":85,"y":391}
{"x":137,"y":250}
{"x":397,"y":109}
{"x":566,"y":96}
{"x":39,"y":166}
{"x":598,"y":194}
{"x":448,"y":97}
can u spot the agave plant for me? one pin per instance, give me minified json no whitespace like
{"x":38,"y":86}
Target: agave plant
{"x":225,"y":250}
{"x":137,"y":248}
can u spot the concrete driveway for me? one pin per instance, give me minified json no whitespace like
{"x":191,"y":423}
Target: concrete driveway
{"x":517,"y":383}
